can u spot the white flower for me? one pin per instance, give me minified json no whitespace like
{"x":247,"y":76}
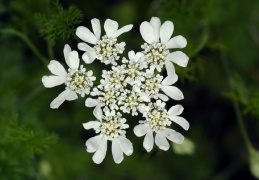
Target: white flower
{"x":158,"y":41}
{"x":157,"y":120}
{"x":107,"y":98}
{"x":153,"y":84}
{"x":134,"y":68}
{"x":77,"y":80}
{"x":105,"y":49}
{"x":111,"y":127}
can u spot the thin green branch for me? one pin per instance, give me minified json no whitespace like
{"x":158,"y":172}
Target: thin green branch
{"x":27,"y":41}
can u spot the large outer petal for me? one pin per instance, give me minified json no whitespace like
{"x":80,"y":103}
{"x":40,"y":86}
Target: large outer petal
{"x":92,"y":144}
{"x":176,"y":42}
{"x":52,"y":81}
{"x":179,"y":58}
{"x":175,"y":110}
{"x":89,"y":57}
{"x":149,"y":140}
{"x":126,"y":145}
{"x":117,"y":153}
{"x":96,"y":27}
{"x":85,"y":47}
{"x":140,"y":130}
{"x":156,"y":24}
{"x":65,"y":95}
{"x":98,"y":113}
{"x":166,"y":31}
{"x":89,"y":102}
{"x":56,"y":68}
{"x":169,"y":80}
{"x":161,"y":141}
{"x":73,"y":60}
{"x":100,"y":154}
{"x":180,"y":121}
{"x":122,"y":30}
{"x":146,"y":32}
{"x":169,"y":68}
{"x":86,"y":35}
{"x":110,"y":27}
{"x":173,"y":92}
{"x":91,"y":125}
{"x":66,"y":51}
{"x":173,"y":136}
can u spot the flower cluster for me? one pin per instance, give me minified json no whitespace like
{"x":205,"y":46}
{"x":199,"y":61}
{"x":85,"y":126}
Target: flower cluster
{"x":133,"y":86}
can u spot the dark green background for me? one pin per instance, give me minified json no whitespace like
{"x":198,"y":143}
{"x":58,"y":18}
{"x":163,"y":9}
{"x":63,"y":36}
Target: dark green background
{"x":221,"y":80}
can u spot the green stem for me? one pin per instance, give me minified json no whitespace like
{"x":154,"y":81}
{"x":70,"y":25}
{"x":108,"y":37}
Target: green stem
{"x":236,"y":105}
{"x":27,"y":41}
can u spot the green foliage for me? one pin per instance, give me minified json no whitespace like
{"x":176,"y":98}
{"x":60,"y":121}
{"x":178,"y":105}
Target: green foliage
{"x":60,"y":23}
{"x":254,"y":162}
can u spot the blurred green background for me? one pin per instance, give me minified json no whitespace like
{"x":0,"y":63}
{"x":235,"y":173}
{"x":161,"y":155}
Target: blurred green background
{"x":220,"y":84}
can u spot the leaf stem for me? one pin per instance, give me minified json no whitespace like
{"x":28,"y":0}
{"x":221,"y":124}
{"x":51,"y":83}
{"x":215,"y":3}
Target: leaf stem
{"x":23,"y":37}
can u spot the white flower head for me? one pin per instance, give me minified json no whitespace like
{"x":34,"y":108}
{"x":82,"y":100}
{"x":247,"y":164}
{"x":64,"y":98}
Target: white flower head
{"x":134,"y":67}
{"x":154,"y":84}
{"x":157,"y":120}
{"x":106,"y":49}
{"x":77,"y":79}
{"x":111,"y":127}
{"x":158,"y":43}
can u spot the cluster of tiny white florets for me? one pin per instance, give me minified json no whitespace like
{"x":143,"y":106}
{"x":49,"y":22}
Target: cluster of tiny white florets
{"x":155,"y":53}
{"x":113,"y":125}
{"x":80,"y":81}
{"x":133,"y":86}
{"x":107,"y":50}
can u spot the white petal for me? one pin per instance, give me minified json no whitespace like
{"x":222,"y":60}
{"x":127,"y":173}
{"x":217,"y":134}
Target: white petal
{"x":141,"y":130}
{"x":146,"y":32}
{"x":161,"y":141}
{"x":52,"y":81}
{"x":173,"y":92}
{"x":181,"y":121}
{"x":96,"y":28}
{"x":116,"y":152}
{"x":122,"y":30}
{"x":166,"y":31}
{"x":110,"y":27}
{"x":173,"y":136}
{"x":98,"y":113}
{"x":175,"y":110}
{"x":73,"y":60}
{"x":126,"y":145}
{"x":156,"y":24}
{"x":144,"y":97}
{"x":86,"y":35}
{"x":169,"y":80}
{"x":66,"y":51}
{"x":179,"y":58}
{"x":92,"y":144}
{"x":149,"y":140}
{"x":163,"y":97}
{"x":100,"y":154}
{"x":85,"y":47}
{"x":89,"y":102}
{"x":65,"y":95}
{"x":56,"y":68}
{"x":169,"y":68}
{"x":89,"y":57}
{"x":131,"y":55}
{"x":176,"y":42}
{"x":91,"y":125}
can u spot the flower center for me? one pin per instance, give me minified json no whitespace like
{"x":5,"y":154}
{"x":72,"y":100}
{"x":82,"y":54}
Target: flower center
{"x":133,"y":70}
{"x":155,"y":53}
{"x":77,"y":80}
{"x":107,"y":98}
{"x":112,"y":126}
{"x":157,"y":119}
{"x":152,"y":85}
{"x":131,"y":101}
{"x":116,"y":79}
{"x":107,"y":50}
